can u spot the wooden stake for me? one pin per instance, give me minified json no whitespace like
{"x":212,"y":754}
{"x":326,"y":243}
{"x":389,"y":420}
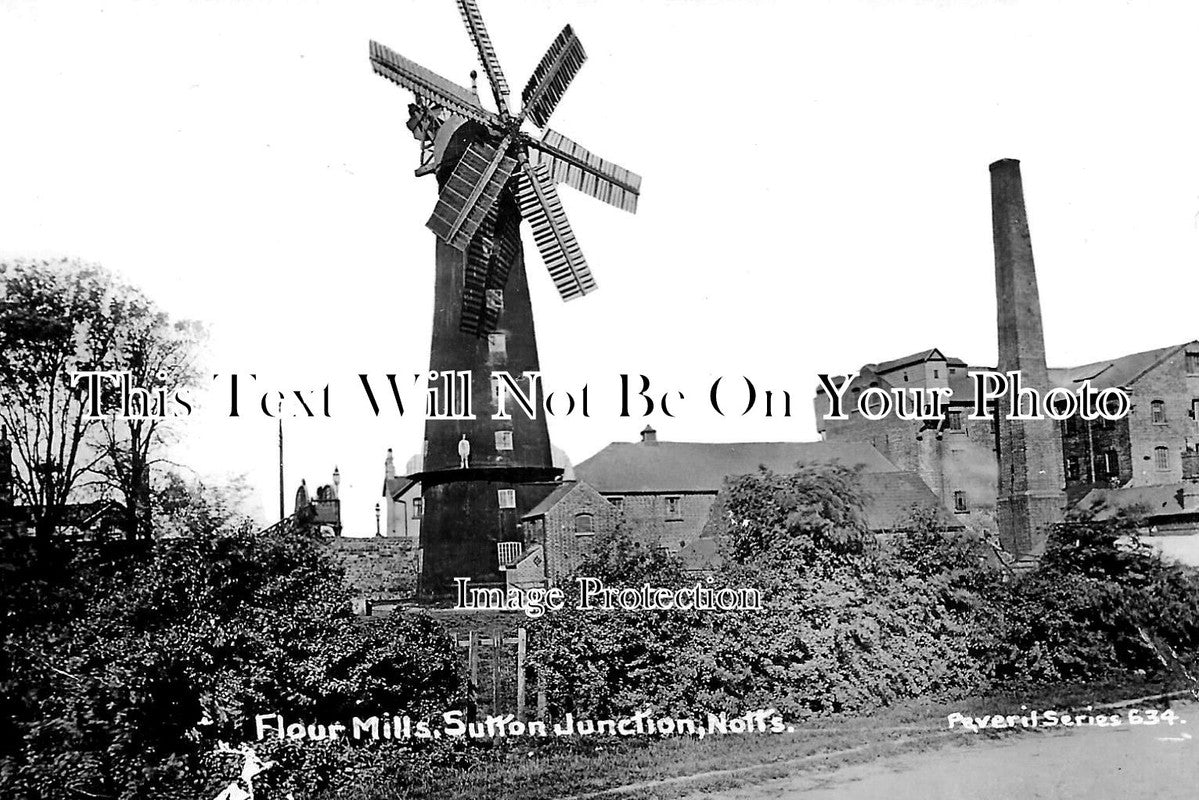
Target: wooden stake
{"x":472,"y":660}
{"x":521,"y":643}
{"x":497,"y":648}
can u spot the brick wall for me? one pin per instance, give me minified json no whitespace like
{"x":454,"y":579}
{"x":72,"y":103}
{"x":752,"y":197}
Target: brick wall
{"x":1169,"y":383}
{"x":556,"y":531}
{"x":379,"y":567}
{"x":948,"y":461}
{"x":648,"y":518}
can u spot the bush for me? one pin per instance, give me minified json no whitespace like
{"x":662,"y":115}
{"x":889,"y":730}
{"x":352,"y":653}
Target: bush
{"x":1081,"y":616}
{"x":852,"y":622}
{"x":223,"y":627}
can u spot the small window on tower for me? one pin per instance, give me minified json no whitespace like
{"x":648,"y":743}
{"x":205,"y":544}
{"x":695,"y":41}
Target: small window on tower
{"x":503,"y":440}
{"x":1158,"y":412}
{"x":672,"y":506}
{"x":497,"y":344}
{"x":584,"y":524}
{"x":1161,"y":457}
{"x":507,"y":498}
{"x":418,"y":508}
{"x":495,"y":299}
{"x":959,"y":502}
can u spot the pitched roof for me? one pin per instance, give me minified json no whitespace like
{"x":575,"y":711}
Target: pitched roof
{"x":888,"y":499}
{"x":1121,"y":371}
{"x":907,"y":361}
{"x":551,"y":499}
{"x":703,"y":466}
{"x":1161,"y":500}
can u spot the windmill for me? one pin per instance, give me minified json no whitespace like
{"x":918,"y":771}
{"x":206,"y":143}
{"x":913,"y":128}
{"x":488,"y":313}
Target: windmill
{"x":492,"y":174}
{"x":501,"y":157}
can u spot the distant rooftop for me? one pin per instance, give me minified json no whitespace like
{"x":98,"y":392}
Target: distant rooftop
{"x":654,"y":466}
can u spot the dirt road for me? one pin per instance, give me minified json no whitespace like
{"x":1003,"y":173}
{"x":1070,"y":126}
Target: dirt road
{"x":1121,"y":763}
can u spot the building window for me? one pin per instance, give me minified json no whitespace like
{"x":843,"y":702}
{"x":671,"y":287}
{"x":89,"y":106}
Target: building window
{"x":959,"y":502}
{"x":1072,"y":468}
{"x":418,"y":508}
{"x":1108,"y":466}
{"x":672,"y":506}
{"x":503,"y":440}
{"x":1193,"y":363}
{"x":495,"y":299}
{"x":617,"y":503}
{"x":1158,"y":412}
{"x":936,"y":373}
{"x":1161,"y":457}
{"x":954,"y":420}
{"x":584,"y":524}
{"x":497,"y":344}
{"x":507,"y":498}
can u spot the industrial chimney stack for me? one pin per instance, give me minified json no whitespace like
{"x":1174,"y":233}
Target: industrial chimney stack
{"x":1031,"y":478}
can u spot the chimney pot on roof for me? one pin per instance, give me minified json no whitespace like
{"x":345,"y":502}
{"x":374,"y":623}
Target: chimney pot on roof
{"x":649,"y":435}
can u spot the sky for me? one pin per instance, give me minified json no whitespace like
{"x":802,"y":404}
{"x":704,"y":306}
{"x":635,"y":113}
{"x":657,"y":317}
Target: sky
{"x":815,"y":197}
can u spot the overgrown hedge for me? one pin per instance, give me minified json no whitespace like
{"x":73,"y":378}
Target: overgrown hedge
{"x":852,"y":623}
{"x":108,"y":689}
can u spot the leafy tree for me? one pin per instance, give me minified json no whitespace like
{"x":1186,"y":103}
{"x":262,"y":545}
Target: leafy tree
{"x":58,"y":319}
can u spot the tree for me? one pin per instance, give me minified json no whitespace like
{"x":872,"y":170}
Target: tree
{"x":58,"y":319}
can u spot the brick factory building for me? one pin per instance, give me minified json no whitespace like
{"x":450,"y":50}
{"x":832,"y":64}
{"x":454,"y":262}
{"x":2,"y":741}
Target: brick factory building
{"x":1155,"y":445}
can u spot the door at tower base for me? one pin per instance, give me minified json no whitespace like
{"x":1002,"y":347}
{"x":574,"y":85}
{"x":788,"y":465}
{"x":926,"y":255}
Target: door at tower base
{"x":465,"y":520}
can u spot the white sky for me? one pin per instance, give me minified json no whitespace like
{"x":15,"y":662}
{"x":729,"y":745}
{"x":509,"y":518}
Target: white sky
{"x":816,"y":193}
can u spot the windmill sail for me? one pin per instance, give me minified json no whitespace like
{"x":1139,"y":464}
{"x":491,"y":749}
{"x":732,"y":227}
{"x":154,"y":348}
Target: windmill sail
{"x":487,"y":57}
{"x":474,"y":279}
{"x":548,"y":83}
{"x":505,"y":249}
{"x":570,"y":163}
{"x":428,"y":84}
{"x":556,"y":241}
{"x":489,"y":259}
{"x":470,"y":192}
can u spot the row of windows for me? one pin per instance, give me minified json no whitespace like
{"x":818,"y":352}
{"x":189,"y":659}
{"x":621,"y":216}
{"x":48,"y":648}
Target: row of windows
{"x":1107,"y":464}
{"x":673,"y":504}
{"x":1157,"y":415}
{"x":507,"y":499}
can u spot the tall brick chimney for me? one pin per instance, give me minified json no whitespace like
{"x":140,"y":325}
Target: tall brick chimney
{"x":1031,"y":478}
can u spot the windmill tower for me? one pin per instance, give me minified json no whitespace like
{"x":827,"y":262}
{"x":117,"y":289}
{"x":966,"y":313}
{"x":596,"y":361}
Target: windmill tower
{"x":479,"y":475}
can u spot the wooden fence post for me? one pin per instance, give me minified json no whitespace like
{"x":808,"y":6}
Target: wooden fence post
{"x":521,"y":643}
{"x":497,"y":647}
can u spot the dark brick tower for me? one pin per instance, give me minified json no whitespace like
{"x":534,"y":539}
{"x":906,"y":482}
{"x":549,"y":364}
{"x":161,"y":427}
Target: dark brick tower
{"x":467,"y":511}
{"x":1031,"y":478}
